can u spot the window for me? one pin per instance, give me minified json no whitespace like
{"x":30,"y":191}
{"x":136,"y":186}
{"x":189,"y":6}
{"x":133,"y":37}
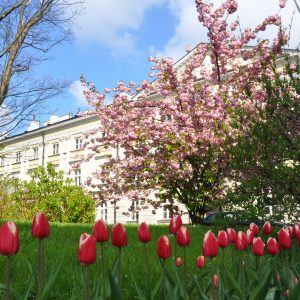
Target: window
{"x":77,"y":177}
{"x":166,"y":213}
{"x":134,"y":212}
{"x":103,"y":211}
{"x":2,"y":162}
{"x":18,"y":157}
{"x":35,"y":152}
{"x":55,"y":149}
{"x":78,"y":143}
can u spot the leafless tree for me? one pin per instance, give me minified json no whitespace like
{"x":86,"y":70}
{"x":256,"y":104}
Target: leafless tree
{"x":28,"y":30}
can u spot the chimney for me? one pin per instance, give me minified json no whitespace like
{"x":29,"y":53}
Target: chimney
{"x":34,"y":124}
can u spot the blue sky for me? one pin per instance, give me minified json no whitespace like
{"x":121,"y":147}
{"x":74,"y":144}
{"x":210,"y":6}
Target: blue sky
{"x":113,"y":40}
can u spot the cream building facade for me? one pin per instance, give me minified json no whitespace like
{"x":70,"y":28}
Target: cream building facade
{"x":60,"y":142}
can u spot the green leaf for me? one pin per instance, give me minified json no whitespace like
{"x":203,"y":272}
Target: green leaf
{"x":12,"y":292}
{"x":138,"y":289}
{"x":261,"y":290}
{"x":271,"y":293}
{"x":295,"y":295}
{"x":116,"y":291}
{"x":200,"y":293}
{"x":51,"y":281}
{"x":156,"y":288}
{"x":234,"y":284}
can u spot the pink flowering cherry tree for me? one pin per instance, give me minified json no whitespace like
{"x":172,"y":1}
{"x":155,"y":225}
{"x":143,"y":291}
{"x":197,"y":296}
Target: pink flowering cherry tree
{"x":171,"y":135}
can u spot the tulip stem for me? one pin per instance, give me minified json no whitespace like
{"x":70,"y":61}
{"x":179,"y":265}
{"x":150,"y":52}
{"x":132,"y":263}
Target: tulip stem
{"x":41,"y":268}
{"x":257,"y":263}
{"x":212,"y":280}
{"x":147,"y":267}
{"x":175,"y":248}
{"x":7,"y":285}
{"x":102,"y":267}
{"x":185,"y":272}
{"x":119,"y":273}
{"x":287,"y":270}
{"x":86,"y":282}
{"x":164,"y":279}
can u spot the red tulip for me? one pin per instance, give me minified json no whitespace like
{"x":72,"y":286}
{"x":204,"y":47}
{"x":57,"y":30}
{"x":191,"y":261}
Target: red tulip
{"x":272,"y":246}
{"x":284,"y":239}
{"x":258,"y":247}
{"x":144,"y":233}
{"x":222,"y":239}
{"x":163,"y":247}
{"x":40,"y":226}
{"x":296,"y":230}
{"x":241,"y":241}
{"x":210,"y":245}
{"x":298,"y":237}
{"x":100,"y":231}
{"x":87,"y":249}
{"x":290,"y":231}
{"x":254,"y":229}
{"x":267,"y":228}
{"x":200,"y":261}
{"x":216,"y":280}
{"x":287,"y":293}
{"x":250,"y":236}
{"x":230,"y":235}
{"x":119,"y":236}
{"x":296,"y":280}
{"x":9,"y":239}
{"x":175,"y":224}
{"x":178,"y":262}
{"x":183,"y":237}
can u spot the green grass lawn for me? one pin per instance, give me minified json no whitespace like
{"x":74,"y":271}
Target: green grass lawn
{"x":62,"y":246}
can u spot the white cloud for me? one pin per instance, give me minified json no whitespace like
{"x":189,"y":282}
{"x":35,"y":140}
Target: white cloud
{"x":112,"y":23}
{"x":76,"y":89}
{"x":251,"y":12}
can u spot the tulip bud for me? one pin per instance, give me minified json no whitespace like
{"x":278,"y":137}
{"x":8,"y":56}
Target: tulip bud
{"x":284,"y":239}
{"x":254,"y":229}
{"x":216,"y":280}
{"x":287,"y":293}
{"x":119,"y":236}
{"x":250,"y":236}
{"x":183,"y":237}
{"x":272,"y":246}
{"x":40,"y":226}
{"x":210,"y":245}
{"x":267,"y":228}
{"x":258,"y":247}
{"x":230,"y":235}
{"x":200,"y":261}
{"x":175,"y":224}
{"x":144,"y":233}
{"x":222,"y":239}
{"x":178,"y":261}
{"x":9,"y":239}
{"x":290,"y":231}
{"x":296,"y":229}
{"x":87,"y":249}
{"x":163,"y":247}
{"x":296,"y":280}
{"x":100,"y":231}
{"x":241,"y":241}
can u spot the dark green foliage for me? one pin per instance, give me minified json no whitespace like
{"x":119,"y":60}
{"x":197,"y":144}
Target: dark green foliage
{"x":266,"y":161}
{"x":47,"y":191}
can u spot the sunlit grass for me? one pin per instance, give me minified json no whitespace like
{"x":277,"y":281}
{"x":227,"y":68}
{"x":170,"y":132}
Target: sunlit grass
{"x":62,"y":246}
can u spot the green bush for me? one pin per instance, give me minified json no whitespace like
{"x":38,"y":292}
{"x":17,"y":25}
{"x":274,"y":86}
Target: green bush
{"x":47,"y":191}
